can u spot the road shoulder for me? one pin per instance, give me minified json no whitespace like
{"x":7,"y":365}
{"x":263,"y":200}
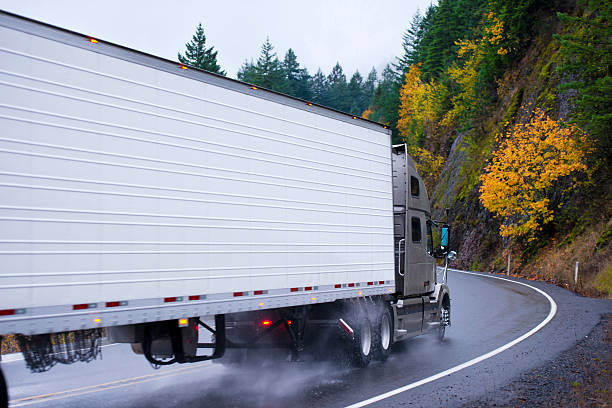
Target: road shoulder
{"x":578,"y":377}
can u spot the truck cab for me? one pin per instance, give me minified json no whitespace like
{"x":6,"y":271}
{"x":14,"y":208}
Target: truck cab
{"x":422,"y":302}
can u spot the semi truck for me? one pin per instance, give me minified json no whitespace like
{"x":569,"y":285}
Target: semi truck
{"x":142,"y":199}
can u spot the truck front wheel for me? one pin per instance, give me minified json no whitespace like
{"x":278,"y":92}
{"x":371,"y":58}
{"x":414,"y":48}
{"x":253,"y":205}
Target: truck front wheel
{"x":361,"y":346}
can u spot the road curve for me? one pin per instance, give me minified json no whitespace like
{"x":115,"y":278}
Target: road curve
{"x":486,"y":347}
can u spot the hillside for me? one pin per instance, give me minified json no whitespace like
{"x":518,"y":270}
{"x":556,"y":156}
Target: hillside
{"x":538,"y":79}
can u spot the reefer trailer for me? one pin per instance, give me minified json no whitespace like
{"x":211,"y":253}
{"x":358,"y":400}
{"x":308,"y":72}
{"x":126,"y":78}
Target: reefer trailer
{"x":138,"y":194}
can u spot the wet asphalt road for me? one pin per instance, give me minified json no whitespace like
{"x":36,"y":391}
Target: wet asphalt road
{"x":486,"y":314}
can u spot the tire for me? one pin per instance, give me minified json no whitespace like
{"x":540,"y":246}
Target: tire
{"x":361,"y":345}
{"x":3,"y":391}
{"x":383,"y":335}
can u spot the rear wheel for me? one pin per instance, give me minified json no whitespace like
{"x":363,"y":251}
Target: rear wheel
{"x":383,"y":335}
{"x":361,"y":346}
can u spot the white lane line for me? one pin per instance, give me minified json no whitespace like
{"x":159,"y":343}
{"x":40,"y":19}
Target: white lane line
{"x":551,"y":314}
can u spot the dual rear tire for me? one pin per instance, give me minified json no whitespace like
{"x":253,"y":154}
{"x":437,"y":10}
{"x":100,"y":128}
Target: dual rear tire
{"x":372,"y":341}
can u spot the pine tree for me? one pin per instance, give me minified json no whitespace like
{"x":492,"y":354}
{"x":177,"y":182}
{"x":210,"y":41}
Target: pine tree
{"x":337,"y":92}
{"x":198,"y":56}
{"x":368,"y":88}
{"x":410,"y":44}
{"x":354,"y":94}
{"x":298,"y":80}
{"x":319,"y":88}
{"x":385,"y":102}
{"x":247,"y":72}
{"x":269,"y":70}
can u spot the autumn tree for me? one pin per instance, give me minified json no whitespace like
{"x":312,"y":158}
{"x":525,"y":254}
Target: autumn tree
{"x":535,"y":165}
{"x":429,"y":165}
{"x":198,"y":56}
{"x":421,"y":105}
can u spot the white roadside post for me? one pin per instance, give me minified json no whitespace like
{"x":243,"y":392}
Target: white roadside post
{"x":576,"y":276}
{"x":508,"y":270}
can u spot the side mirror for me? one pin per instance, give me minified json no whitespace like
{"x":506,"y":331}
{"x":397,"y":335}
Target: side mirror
{"x":452,"y":255}
{"x":444,"y":239}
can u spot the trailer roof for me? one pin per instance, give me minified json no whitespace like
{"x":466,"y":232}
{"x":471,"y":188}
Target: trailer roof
{"x":98,"y":45}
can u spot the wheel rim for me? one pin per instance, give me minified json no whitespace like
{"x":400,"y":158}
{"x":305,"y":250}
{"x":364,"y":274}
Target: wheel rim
{"x":385,"y":332}
{"x":366,"y":339}
{"x":442,"y":328}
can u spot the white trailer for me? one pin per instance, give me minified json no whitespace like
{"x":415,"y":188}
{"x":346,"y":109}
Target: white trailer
{"x":138,"y":194}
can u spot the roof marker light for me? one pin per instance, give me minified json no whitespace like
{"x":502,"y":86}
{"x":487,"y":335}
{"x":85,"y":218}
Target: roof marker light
{"x":309,"y":104}
{"x":7,"y":312}
{"x":183,"y":322}
{"x":354,"y":117}
{"x":238,"y":294}
{"x":261,"y":304}
{"x":93,"y":40}
{"x":184,"y":67}
{"x":337,"y":285}
{"x":97,"y":320}
{"x":194,"y":297}
{"x":254,"y":88}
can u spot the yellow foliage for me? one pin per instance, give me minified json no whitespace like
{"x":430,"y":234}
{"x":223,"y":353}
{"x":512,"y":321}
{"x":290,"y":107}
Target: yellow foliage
{"x":420,"y":106}
{"x":412,"y":95}
{"x":465,"y":74}
{"x":366,"y":114}
{"x":530,"y":160}
{"x":428,"y":165}
{"x":494,"y":30}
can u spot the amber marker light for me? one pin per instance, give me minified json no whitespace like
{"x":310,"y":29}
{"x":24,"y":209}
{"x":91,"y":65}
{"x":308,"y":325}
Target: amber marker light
{"x":354,"y":117}
{"x":184,"y":67}
{"x":309,"y":104}
{"x":183,"y":322}
{"x":254,"y":88}
{"x":97,"y":320}
{"x":93,"y":40}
